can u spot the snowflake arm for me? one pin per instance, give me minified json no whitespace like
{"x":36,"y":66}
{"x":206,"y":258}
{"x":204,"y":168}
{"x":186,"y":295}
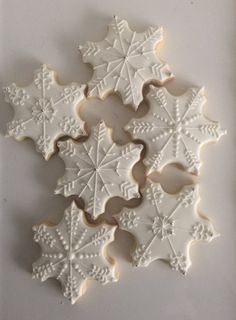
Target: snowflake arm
{"x":98,"y":169}
{"x":124,"y":61}
{"x":73,"y":252}
{"x":175,"y":129}
{"x":165,"y":225}
{"x":45,"y":111}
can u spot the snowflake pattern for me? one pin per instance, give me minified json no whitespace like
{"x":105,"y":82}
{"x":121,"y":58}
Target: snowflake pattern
{"x":124,"y":62}
{"x":129,"y":219}
{"x":175,"y":129}
{"x":73,"y":252}
{"x":98,"y":169}
{"x":45,"y":110}
{"x":165,"y":226}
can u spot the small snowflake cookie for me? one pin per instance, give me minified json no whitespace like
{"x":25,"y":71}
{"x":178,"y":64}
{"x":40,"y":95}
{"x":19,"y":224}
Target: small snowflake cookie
{"x":98,"y":169}
{"x":73,"y":252}
{"x":175,"y":129}
{"x":45,"y":110}
{"x":124,"y":62}
{"x":165,"y":225}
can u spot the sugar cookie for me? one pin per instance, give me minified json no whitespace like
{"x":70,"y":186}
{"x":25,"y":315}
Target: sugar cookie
{"x":124,"y":62}
{"x":73,"y":252}
{"x":175,"y":129}
{"x":45,"y":110}
{"x":165,"y":225}
{"x":98,"y":169}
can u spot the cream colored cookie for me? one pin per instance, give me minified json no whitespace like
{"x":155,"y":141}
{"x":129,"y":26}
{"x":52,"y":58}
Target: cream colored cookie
{"x":165,"y":225}
{"x":73,"y":252}
{"x":124,"y":61}
{"x":175,"y":129}
{"x":98,"y":169}
{"x":45,"y":110}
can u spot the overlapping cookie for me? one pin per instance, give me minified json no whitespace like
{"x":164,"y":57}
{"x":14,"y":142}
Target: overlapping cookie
{"x":98,"y":169}
{"x":175,"y":129}
{"x":165,"y":225}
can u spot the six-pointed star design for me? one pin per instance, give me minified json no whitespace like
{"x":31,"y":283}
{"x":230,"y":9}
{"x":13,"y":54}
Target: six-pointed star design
{"x":165,"y":225}
{"x":98,"y":169}
{"x":45,"y":110}
{"x":124,"y":62}
{"x":73,"y":252}
{"x":175,"y":129}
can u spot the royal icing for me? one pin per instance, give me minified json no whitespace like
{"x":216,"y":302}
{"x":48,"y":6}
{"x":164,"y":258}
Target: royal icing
{"x":98,"y":169}
{"x":124,"y":62}
{"x":73,"y":252}
{"x":165,"y":225}
{"x":45,"y":110}
{"x":175,"y":129}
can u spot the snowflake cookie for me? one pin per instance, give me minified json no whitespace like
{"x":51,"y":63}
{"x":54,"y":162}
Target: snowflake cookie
{"x":124,"y":62}
{"x":98,"y":169}
{"x":165,"y":225}
{"x":73,"y":252}
{"x":45,"y":110}
{"x":175,"y":129}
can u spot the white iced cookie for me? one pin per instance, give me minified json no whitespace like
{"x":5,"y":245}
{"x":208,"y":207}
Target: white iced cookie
{"x":45,"y":110}
{"x":165,"y":225}
{"x":98,"y":169}
{"x":73,"y":252}
{"x":124,"y":62}
{"x":175,"y":129}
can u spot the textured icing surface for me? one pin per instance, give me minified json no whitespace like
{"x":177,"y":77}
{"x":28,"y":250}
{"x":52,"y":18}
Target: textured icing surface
{"x":45,"y":110}
{"x":175,"y":129}
{"x":73,"y":252}
{"x":98,"y":169}
{"x":124,"y":61}
{"x":165,"y":225}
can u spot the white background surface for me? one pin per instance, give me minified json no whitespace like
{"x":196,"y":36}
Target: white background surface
{"x":200,"y":47}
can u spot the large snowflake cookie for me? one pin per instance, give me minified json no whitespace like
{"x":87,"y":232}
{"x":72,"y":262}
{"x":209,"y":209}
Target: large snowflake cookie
{"x":175,"y":129}
{"x":98,"y":169}
{"x":124,"y":62}
{"x":73,"y":252}
{"x":165,"y":225}
{"x":45,"y":110}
